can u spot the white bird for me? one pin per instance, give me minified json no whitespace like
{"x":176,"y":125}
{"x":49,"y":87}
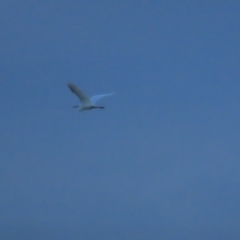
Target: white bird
{"x":86,"y":102}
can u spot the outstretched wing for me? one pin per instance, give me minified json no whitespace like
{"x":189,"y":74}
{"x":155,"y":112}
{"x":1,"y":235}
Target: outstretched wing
{"x":96,"y":98}
{"x":81,"y":95}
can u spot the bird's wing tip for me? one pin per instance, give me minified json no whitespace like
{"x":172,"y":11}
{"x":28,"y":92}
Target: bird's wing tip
{"x":70,"y":84}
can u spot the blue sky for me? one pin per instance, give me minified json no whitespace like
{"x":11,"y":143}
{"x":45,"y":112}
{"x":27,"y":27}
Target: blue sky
{"x":161,"y":161}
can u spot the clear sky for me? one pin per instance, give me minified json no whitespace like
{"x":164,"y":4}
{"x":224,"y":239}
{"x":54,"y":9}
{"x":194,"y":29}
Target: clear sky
{"x":161,"y":161}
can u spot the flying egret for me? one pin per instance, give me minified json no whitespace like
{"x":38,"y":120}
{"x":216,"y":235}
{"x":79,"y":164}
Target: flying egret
{"x":86,"y":102}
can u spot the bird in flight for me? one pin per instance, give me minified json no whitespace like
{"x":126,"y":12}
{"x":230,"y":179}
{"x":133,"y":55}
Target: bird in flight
{"x":86,"y":102}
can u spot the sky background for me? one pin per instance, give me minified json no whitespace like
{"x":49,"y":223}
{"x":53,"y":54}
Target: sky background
{"x":161,"y":161}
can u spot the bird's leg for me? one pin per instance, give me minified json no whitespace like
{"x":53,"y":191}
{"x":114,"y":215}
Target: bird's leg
{"x":75,"y":106}
{"x":99,"y":107}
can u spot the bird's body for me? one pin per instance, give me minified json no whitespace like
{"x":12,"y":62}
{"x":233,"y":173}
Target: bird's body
{"x":86,"y":102}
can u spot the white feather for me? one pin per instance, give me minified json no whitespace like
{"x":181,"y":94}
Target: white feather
{"x":86,"y":103}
